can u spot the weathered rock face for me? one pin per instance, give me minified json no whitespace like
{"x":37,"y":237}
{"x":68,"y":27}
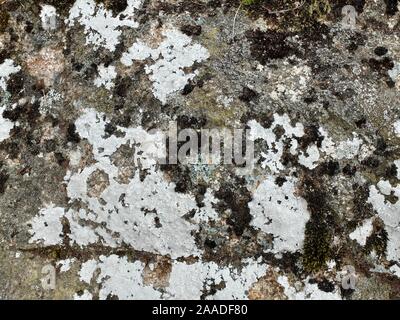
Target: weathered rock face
{"x":88,"y":209}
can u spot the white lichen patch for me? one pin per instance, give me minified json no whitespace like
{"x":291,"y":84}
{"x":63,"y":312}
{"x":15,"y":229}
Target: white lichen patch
{"x":7,"y":68}
{"x":347,"y":149}
{"x":290,"y":83}
{"x":278,"y":211}
{"x":48,"y":15}
{"x":86,"y":295}
{"x":309,"y":291}
{"x":395,"y":269}
{"x":361,"y":233}
{"x":327,"y":144}
{"x":397,"y":164}
{"x":175,"y":53}
{"x":207,"y":212}
{"x":276,"y":145}
{"x":394,"y":73}
{"x":310,"y":159}
{"x":145,"y":213}
{"x":66,"y":264}
{"x":106,"y":76}
{"x":46,"y":227}
{"x":365,"y":151}
{"x":124,"y":279}
{"x":49,"y":100}
{"x":87,"y":270}
{"x":148,"y":215}
{"x":224,"y":101}
{"x":396,"y":128}
{"x":5,"y":126}
{"x":189,"y":281}
{"x":389,"y":213}
{"x":102,"y":28}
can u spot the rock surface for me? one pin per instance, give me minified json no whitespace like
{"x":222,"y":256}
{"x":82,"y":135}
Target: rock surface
{"x":87,"y":210}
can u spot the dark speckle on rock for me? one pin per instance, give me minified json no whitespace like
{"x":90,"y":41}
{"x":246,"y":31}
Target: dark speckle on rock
{"x":248,"y":95}
{"x":391,"y":7}
{"x":3,"y":179}
{"x":187,"y":89}
{"x":380,"y":51}
{"x":191,"y":30}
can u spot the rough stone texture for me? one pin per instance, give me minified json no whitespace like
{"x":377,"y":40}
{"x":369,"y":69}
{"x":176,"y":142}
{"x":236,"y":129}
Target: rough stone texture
{"x":79,"y":179}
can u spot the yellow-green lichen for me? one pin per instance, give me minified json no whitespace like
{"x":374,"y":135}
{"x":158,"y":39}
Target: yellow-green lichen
{"x":249,"y":2}
{"x":319,"y":8}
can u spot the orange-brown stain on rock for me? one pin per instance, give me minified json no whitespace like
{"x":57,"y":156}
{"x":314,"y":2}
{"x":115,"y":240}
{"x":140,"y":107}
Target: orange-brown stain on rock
{"x":47,"y":65}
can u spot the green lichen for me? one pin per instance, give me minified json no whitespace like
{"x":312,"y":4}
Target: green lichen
{"x":319,"y":9}
{"x":249,"y":2}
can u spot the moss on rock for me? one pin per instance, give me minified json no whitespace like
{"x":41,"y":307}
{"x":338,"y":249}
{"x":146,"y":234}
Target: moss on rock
{"x":4,"y":18}
{"x":316,"y":250}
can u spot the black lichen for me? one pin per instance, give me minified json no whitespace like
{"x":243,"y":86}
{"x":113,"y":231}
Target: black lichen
{"x":311,"y":136}
{"x":329,"y":168}
{"x":349,"y":170}
{"x":16,"y":83}
{"x":391,"y":171}
{"x":266,"y":46}
{"x":326,"y":286}
{"x":187,"y":89}
{"x":380,"y":51}
{"x":180,"y":175}
{"x":361,"y":208}
{"x":391,"y":7}
{"x":72,"y":135}
{"x":191,"y":30}
{"x":116,"y":6}
{"x":235,"y":196}
{"x":380,"y":66}
{"x":377,"y":241}
{"x":4,"y":18}
{"x":122,"y":86}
